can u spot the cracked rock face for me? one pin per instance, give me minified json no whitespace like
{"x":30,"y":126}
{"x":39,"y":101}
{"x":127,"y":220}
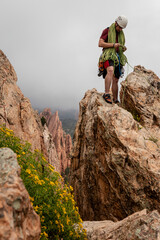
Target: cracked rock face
{"x":115,"y":167}
{"x":140,"y":95}
{"x":18,"y":219}
{"x":16,"y":110}
{"x":51,"y":149}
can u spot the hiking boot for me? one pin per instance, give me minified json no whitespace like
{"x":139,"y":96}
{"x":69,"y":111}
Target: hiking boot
{"x":115,"y":101}
{"x":107,"y":98}
{"x":100,"y":73}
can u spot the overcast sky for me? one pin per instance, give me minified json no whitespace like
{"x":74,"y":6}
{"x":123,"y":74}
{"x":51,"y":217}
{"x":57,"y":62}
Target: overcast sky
{"x":53,"y":45}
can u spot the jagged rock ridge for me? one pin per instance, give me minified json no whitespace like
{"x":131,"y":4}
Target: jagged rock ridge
{"x":63,"y":141}
{"x":17,"y":114}
{"x":115,"y":167}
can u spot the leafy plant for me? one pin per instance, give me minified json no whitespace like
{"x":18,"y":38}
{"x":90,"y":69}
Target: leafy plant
{"x":43,"y":121}
{"x":65,"y":175}
{"x":51,"y":198}
{"x":136,"y":117}
{"x":151,"y":138}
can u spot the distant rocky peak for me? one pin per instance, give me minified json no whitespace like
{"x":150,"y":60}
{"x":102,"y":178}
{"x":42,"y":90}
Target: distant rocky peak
{"x":63,"y":141}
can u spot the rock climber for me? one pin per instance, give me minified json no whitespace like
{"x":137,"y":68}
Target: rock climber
{"x":112,"y":59}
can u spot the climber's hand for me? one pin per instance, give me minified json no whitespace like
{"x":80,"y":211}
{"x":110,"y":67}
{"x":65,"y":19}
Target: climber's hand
{"x":124,"y":48}
{"x":116,"y":45}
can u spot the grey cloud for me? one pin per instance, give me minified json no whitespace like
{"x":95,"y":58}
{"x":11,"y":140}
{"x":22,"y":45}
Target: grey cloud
{"x":53,"y":45}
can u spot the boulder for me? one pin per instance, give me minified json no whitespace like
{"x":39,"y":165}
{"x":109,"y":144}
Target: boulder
{"x":18,"y":219}
{"x":139,"y":226}
{"x":140,"y":95}
{"x":115,"y":167}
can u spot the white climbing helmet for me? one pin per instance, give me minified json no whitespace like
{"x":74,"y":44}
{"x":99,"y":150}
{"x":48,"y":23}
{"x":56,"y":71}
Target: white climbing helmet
{"x":122,"y":21}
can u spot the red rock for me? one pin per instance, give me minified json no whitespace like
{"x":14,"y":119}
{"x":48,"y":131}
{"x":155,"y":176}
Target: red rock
{"x":18,"y":219}
{"x":63,"y":141}
{"x":115,"y":163}
{"x":17,"y":113}
{"x":140,"y":95}
{"x":140,"y":225}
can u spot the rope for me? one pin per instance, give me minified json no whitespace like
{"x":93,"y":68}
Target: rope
{"x":128,"y":65}
{"x":120,"y":73}
{"x":3,"y":104}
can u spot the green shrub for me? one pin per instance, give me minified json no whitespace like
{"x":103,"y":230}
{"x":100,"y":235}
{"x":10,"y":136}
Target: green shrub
{"x":51,"y":198}
{"x":43,"y":121}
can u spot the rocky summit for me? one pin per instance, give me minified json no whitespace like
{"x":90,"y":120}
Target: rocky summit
{"x":18,"y":219}
{"x":115,"y":166}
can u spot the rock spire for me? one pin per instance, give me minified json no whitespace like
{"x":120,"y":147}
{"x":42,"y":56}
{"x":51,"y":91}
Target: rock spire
{"x":115,"y":162}
{"x":62,"y":141}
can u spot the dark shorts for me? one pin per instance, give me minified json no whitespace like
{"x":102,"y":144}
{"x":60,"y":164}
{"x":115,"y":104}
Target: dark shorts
{"x":108,"y":63}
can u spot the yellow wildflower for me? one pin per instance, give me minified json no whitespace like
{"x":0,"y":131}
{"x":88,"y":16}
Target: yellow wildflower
{"x":68,"y":220}
{"x":52,"y":170}
{"x":42,"y":219}
{"x":64,"y":210}
{"x":64,"y":191}
{"x":28,"y":171}
{"x":36,"y":208}
{"x":62,"y":227}
{"x":51,"y":183}
{"x":45,"y":234}
{"x":31,"y":198}
{"x":61,"y":196}
{"x":32,"y":165}
{"x":44,"y":159}
{"x":80,"y":225}
{"x":36,"y":177}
